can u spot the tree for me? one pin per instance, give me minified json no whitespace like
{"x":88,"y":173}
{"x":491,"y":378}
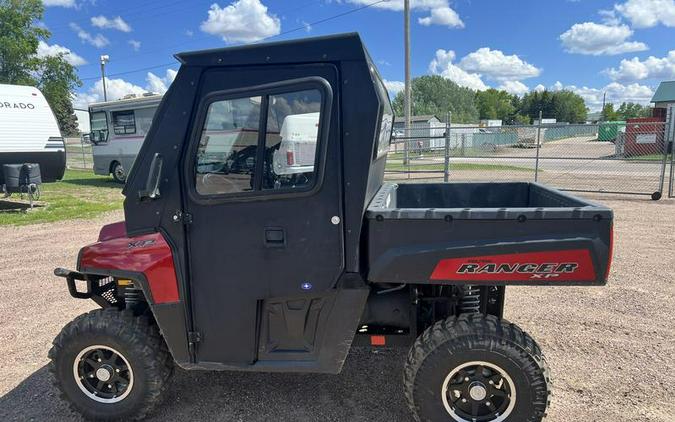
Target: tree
{"x":608,"y":113}
{"x":437,"y":95}
{"x":19,"y":39}
{"x":494,"y":104}
{"x":20,"y":65}
{"x":565,"y":106}
{"x":632,"y":110}
{"x":57,"y":80}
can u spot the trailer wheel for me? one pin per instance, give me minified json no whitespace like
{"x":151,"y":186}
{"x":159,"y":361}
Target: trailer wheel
{"x":118,"y":172}
{"x":476,"y":368}
{"x":110,"y":365}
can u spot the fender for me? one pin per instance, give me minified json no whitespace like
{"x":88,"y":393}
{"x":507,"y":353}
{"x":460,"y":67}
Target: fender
{"x":148,"y":260}
{"x":147,"y":254}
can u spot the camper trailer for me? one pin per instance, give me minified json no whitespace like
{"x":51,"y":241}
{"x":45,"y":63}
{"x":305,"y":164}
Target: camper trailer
{"x":118,"y":129}
{"x":29,"y":132}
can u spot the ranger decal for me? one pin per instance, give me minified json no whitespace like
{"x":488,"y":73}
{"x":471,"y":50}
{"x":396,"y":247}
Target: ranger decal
{"x":566,"y":265}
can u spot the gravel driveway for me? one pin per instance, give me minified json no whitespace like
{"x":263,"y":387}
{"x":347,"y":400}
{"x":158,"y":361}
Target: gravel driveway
{"x":611,"y":349}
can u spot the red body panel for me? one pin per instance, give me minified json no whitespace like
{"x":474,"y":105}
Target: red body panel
{"x":112,"y":231}
{"x":149,"y":254}
{"x":567,"y":265}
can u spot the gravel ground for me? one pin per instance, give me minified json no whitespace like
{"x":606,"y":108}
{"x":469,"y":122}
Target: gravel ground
{"x":611,"y":349}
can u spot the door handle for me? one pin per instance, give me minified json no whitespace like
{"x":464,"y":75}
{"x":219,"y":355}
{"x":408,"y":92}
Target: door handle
{"x":275,"y":237}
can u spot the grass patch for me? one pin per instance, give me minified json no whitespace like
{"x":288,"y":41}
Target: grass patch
{"x":80,"y":194}
{"x":649,"y":157}
{"x":455,"y":167}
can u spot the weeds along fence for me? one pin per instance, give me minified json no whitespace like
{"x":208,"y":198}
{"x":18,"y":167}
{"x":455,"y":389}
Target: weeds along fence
{"x":630,"y":158}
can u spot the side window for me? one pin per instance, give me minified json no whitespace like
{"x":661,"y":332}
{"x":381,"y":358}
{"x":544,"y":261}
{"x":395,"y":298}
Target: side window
{"x":226,"y":155}
{"x":99,"y":127}
{"x":124,"y":122}
{"x":291,"y":139}
{"x":384,"y":137}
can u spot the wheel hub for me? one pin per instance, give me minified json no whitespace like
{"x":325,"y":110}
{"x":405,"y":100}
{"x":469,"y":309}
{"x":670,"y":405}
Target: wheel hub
{"x":477,"y":391}
{"x":104,"y":373}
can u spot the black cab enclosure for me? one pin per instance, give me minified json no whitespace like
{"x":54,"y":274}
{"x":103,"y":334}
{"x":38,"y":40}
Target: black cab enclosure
{"x":260,"y":234}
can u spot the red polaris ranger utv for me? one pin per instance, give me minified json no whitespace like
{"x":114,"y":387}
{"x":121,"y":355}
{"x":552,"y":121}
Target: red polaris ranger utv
{"x":260,"y":236}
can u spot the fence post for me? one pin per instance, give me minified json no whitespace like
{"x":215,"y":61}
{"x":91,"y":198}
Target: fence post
{"x":84,"y":159}
{"x":538,"y":147}
{"x":446,"y":163}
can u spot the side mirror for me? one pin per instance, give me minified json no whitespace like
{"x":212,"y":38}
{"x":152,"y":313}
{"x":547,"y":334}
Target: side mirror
{"x":151,"y":190}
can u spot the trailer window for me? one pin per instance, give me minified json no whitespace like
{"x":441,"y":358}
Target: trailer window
{"x":124,"y":122}
{"x":291,"y":139}
{"x":226,"y":155}
{"x":99,"y":127}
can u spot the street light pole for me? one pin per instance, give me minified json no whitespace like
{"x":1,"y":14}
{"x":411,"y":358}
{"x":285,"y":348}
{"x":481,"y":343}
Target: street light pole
{"x":406,"y":97}
{"x":104,"y":59}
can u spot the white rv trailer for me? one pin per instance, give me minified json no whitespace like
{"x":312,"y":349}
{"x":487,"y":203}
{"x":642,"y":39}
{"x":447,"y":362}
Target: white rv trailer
{"x":29,"y":132}
{"x":118,"y":129}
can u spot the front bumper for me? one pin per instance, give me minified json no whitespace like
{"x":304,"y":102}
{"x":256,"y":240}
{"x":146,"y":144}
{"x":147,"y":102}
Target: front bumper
{"x":70,"y":277}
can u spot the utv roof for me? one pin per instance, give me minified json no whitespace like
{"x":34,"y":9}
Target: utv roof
{"x":340,"y":47}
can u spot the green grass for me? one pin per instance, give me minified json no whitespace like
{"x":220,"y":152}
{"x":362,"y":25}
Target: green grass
{"x":454,"y":167}
{"x":80,"y":194}
{"x":649,"y":157}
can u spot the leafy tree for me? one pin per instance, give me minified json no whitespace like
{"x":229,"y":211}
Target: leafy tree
{"x":19,"y":64}
{"x":565,"y":106}
{"x":494,"y":104}
{"x":609,"y":114}
{"x":633,"y":110}
{"x":438,"y":95}
{"x":57,"y":80}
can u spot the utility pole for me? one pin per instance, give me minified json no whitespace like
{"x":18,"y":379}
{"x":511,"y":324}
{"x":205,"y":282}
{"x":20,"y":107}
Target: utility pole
{"x":406,"y":98}
{"x":602,"y":113}
{"x":104,"y":59}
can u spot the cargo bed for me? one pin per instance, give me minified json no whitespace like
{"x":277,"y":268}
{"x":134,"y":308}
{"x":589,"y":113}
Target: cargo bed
{"x":486,"y":233}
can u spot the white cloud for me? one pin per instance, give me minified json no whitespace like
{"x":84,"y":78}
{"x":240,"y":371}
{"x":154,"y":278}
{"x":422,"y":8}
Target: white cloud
{"x":599,"y":39}
{"x":242,"y":21}
{"x":514,"y":87}
{"x":648,"y":13}
{"x":136,"y":45}
{"x":616,"y":93}
{"x":115,"y":23}
{"x":98,"y":40}
{"x":650,"y":68}
{"x":394,"y":87}
{"x":61,"y":3}
{"x":440,"y":12}
{"x":442,"y":65}
{"x":442,"y":16}
{"x":45,"y":50}
{"x":539,"y":88}
{"x":159,"y":84}
{"x":118,"y":88}
{"x":496,"y":65}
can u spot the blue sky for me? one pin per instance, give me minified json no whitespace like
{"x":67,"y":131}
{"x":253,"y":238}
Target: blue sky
{"x":622,"y":47}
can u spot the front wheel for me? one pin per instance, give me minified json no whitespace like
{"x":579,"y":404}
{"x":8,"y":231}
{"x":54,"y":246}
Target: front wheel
{"x":111,"y":365}
{"x":476,"y":368}
{"x":119,"y":174}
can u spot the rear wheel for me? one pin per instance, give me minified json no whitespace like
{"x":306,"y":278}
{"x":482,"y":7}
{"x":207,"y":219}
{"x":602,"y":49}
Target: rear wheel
{"x":476,"y":368}
{"x":111,"y":365}
{"x":118,"y":172}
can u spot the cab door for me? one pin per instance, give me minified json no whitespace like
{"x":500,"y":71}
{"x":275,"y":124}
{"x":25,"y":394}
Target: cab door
{"x":262,"y":183}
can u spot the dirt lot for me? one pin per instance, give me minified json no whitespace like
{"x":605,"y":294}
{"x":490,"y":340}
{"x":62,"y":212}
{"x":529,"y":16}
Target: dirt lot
{"x":611,"y":349}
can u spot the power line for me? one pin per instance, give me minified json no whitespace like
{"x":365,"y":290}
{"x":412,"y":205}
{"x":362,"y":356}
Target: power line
{"x":299,"y":28}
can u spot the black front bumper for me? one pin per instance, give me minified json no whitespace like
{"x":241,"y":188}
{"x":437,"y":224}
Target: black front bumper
{"x":70,"y":277}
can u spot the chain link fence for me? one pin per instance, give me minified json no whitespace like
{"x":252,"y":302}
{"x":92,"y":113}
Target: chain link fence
{"x":78,"y":154}
{"x":610,"y":157}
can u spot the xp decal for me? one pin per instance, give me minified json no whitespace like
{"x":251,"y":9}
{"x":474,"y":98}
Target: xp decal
{"x":567,"y":265}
